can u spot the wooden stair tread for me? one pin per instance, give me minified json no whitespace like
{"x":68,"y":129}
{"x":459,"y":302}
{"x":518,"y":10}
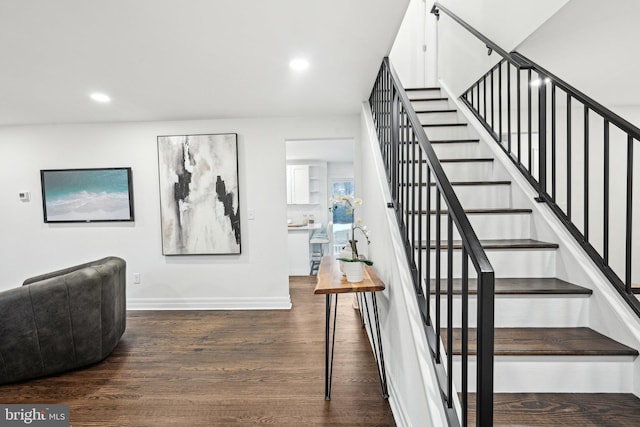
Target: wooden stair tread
{"x":409,"y":89}
{"x":544,"y":342}
{"x":442,"y":125}
{"x":428,"y":99}
{"x":488,"y":211}
{"x":562,"y":409}
{"x":457,"y":160}
{"x":447,"y":110}
{"x":459,"y":183}
{"x":499,"y":244}
{"x":453,"y":141}
{"x":518,"y":286}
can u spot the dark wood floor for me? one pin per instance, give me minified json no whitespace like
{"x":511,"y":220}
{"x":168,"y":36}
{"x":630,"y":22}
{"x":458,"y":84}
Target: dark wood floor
{"x":203,"y":368}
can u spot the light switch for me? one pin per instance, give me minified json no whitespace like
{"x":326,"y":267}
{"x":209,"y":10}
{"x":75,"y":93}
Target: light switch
{"x":251,"y":214}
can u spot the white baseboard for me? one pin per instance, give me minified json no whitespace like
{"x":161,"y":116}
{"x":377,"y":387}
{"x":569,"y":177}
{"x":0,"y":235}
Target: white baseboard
{"x":267,"y":303}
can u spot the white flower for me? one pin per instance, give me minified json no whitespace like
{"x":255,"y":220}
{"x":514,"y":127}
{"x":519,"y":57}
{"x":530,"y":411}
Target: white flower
{"x":358,"y":201}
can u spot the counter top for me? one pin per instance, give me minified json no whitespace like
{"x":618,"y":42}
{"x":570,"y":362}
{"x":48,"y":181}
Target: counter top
{"x":305,"y":227}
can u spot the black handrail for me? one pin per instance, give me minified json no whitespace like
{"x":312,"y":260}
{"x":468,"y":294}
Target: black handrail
{"x":406,"y":151}
{"x":521,"y":152}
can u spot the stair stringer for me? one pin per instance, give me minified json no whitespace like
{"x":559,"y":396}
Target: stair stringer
{"x":414,"y":394}
{"x":608,"y":313}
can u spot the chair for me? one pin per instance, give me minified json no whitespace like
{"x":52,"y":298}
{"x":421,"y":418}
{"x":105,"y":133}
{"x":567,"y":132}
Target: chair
{"x":317,"y":241}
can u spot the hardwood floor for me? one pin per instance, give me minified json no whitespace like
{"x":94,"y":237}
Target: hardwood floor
{"x":203,"y":368}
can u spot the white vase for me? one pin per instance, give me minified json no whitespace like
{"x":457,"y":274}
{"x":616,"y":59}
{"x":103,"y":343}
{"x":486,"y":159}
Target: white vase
{"x":354,"y":271}
{"x":344,"y":253}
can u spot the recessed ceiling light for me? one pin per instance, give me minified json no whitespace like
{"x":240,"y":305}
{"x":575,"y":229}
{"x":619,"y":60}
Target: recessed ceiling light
{"x":299,"y":64}
{"x":100,"y":97}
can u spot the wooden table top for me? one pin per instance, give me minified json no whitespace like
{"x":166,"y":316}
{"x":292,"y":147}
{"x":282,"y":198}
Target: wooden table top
{"x":331,"y":280}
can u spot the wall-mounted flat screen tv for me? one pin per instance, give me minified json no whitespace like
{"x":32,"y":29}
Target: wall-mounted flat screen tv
{"x":87,"y":195}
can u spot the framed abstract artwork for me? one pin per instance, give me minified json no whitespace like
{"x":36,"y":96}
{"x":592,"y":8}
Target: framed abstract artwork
{"x":87,"y":195}
{"x":199,"y":198}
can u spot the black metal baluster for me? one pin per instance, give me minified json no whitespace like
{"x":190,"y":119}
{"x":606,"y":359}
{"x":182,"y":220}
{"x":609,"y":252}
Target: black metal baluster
{"x":542,"y":137}
{"x":465,"y":337}
{"x":553,"y":142}
{"x":419,"y":213}
{"x":500,"y":102}
{"x":629,"y":235}
{"x":569,"y":157}
{"x":509,"y":108}
{"x":450,"y":308}
{"x":414,"y":144}
{"x":484,"y":97}
{"x":478,"y":96}
{"x":586,"y":174}
{"x":530,"y":146}
{"x":437,"y":261}
{"x":428,"y":245}
{"x":492,"y":106}
{"x":605,"y":203}
{"x":519,"y":118}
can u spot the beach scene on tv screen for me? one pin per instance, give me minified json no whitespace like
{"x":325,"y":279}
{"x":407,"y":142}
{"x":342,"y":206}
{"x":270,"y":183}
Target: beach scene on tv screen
{"x":87,"y":195}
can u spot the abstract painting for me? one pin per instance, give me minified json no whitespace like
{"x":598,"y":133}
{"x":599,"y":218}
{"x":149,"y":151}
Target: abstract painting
{"x":199,"y":201}
{"x":87,"y":195}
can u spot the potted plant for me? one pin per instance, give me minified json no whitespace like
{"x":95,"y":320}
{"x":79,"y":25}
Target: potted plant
{"x":352,"y":263}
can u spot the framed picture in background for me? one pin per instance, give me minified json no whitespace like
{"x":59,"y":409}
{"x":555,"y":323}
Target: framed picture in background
{"x":199,"y":194}
{"x":87,"y":195}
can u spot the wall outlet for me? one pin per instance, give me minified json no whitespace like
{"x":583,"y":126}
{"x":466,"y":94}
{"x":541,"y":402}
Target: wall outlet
{"x":25,"y":196}
{"x":136,"y":277}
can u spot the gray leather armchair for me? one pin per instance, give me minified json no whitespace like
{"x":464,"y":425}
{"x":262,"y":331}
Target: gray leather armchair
{"x":62,"y":320}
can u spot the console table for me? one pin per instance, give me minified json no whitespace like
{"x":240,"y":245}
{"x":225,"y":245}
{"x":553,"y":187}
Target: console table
{"x":331,"y":283}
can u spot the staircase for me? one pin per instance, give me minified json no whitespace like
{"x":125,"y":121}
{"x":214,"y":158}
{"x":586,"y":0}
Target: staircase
{"x":551,"y":367}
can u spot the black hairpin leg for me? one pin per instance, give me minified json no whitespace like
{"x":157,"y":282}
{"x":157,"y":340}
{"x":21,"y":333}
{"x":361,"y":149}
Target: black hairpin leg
{"x":329,"y":345}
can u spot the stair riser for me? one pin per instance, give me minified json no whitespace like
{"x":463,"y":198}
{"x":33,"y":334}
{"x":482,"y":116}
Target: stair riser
{"x":453,"y":150}
{"x":450,"y":132}
{"x":467,"y":171}
{"x":506,"y":263}
{"x":556,"y":374}
{"x":502,"y":226}
{"x":429,"y":118}
{"x":523,"y":311}
{"x":415,"y":94}
{"x":477,"y":197}
{"x":429,"y":105}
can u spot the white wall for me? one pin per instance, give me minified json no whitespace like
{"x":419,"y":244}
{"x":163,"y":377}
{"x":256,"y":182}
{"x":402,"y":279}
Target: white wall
{"x":462,"y":58}
{"x":407,"y":55}
{"x":255,"y":279}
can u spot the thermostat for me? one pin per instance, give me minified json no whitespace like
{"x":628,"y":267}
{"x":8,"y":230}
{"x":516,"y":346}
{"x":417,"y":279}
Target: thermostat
{"x":25,"y":196}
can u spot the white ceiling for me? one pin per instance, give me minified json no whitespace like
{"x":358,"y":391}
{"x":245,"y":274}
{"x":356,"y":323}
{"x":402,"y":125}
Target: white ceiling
{"x":189,"y":59}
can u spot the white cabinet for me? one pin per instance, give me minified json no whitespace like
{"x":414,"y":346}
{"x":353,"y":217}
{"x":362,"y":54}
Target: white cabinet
{"x":298,"y":184}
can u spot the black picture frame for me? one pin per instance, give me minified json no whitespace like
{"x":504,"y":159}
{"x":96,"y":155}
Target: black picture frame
{"x":87,"y":195}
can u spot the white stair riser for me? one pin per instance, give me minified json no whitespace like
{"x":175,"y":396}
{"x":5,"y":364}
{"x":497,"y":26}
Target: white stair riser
{"x":430,"y":105}
{"x":454,"y":150}
{"x":555,"y":374}
{"x":448,"y":117}
{"x":499,"y":226}
{"x":450,"y":132}
{"x":523,"y":311}
{"x":463,"y":171}
{"x":505,"y":262}
{"x":421,"y":94}
{"x":477,"y":197}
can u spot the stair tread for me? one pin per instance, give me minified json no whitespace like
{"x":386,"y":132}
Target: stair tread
{"x":409,"y":89}
{"x":448,"y":110}
{"x":499,"y":244}
{"x":518,"y":286}
{"x":580,"y":341}
{"x":482,"y":211}
{"x":428,"y":99}
{"x":453,"y":141}
{"x":459,"y":183}
{"x":566,"y":409}
{"x":457,"y":160}
{"x":440,"y":125}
